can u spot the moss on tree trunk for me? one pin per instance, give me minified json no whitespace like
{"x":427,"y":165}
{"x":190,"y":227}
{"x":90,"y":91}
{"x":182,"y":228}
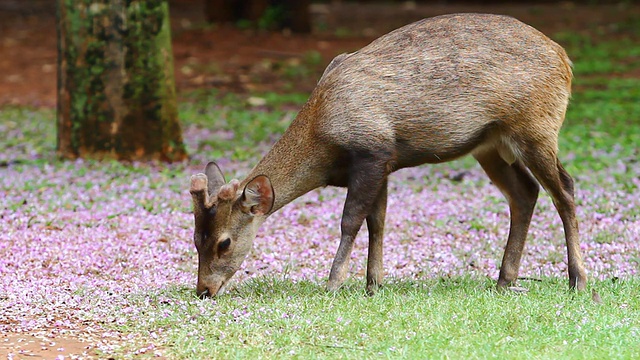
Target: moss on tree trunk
{"x":116,"y":91}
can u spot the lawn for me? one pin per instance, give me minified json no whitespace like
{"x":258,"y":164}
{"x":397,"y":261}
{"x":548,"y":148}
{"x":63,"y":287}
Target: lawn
{"x":102,"y":253}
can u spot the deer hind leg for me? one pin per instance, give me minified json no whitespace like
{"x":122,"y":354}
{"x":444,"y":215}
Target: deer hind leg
{"x":543,"y":162}
{"x":521,"y":191}
{"x":367,"y":175}
{"x":375,"y":225}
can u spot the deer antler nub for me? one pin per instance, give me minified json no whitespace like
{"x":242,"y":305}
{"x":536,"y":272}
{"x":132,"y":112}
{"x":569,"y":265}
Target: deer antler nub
{"x":198,"y":190}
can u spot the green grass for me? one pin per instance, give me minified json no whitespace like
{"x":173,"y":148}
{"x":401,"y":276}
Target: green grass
{"x":603,"y":118}
{"x":450,"y":318}
{"x":603,"y":121}
{"x":26,"y":132}
{"x":240,"y":130}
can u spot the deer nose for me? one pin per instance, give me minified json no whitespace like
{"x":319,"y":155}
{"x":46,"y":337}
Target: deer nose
{"x":204,"y":294}
{"x":205,"y":289}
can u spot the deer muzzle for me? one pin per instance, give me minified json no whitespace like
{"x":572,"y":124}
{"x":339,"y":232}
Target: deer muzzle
{"x":209,"y":289}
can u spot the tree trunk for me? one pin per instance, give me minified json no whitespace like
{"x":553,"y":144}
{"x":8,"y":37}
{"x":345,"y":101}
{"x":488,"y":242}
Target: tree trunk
{"x":116,"y":91}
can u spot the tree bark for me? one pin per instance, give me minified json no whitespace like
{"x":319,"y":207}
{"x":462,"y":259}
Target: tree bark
{"x":116,"y":90}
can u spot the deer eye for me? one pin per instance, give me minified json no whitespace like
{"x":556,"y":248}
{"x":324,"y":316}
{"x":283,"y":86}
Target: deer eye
{"x":224,"y":245}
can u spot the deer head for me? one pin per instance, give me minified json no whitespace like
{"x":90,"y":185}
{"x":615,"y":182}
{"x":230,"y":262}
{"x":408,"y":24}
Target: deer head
{"x":226,"y":222}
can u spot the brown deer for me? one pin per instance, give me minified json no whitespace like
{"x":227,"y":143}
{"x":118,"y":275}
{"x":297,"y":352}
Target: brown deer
{"x":429,"y":92}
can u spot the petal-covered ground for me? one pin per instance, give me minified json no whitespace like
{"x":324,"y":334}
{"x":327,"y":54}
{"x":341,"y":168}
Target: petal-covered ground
{"x":77,"y":237}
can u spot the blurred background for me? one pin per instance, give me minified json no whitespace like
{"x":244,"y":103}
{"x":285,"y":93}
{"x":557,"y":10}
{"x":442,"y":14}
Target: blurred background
{"x":277,"y":45}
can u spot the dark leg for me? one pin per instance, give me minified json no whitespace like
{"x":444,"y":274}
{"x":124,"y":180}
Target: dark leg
{"x":521,"y":190}
{"x":546,"y":167}
{"x":367,"y":174}
{"x":375,"y":225}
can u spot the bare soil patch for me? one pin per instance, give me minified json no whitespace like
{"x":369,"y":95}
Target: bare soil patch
{"x":21,"y":346}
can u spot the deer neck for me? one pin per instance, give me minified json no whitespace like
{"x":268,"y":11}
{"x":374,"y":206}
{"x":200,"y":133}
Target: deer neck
{"x":296,"y":164}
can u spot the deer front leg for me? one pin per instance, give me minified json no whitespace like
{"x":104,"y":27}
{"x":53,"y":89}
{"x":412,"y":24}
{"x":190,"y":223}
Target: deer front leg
{"x":375,"y":225}
{"x":366,"y":178}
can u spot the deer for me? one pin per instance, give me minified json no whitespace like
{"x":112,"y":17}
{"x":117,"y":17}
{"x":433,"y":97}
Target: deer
{"x":432,"y":91}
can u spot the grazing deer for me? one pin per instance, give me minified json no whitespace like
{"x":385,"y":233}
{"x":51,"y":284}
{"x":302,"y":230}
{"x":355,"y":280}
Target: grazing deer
{"x":429,"y":92}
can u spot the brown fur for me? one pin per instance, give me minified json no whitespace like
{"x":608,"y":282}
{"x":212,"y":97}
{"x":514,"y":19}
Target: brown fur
{"x":429,"y":92}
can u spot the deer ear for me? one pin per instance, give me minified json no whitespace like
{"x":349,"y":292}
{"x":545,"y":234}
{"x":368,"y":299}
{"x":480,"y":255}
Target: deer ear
{"x":214,"y":177}
{"x":258,"y":196}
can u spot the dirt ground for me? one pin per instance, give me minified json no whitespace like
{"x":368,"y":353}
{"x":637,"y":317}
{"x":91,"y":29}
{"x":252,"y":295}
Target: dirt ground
{"x":230,"y":59}
{"x":28,"y":345}
{"x":226,"y":58}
